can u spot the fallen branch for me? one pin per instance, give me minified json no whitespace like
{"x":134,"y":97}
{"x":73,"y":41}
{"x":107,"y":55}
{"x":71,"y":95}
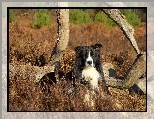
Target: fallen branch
{"x":132,"y":77}
{"x":28,"y":71}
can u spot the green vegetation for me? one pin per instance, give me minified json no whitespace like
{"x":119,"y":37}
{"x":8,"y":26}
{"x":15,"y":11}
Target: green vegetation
{"x":132,"y":17}
{"x":42,"y":18}
{"x":79,"y":16}
{"x":83,"y":17}
{"x":101,"y":17}
{"x":11,"y":16}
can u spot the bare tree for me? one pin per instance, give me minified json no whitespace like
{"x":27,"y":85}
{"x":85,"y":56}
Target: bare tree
{"x":139,"y":66}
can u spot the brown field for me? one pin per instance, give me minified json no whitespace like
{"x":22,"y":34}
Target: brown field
{"x":34,"y":46}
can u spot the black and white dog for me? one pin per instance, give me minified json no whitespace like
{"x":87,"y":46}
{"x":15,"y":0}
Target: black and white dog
{"x":88,"y":67}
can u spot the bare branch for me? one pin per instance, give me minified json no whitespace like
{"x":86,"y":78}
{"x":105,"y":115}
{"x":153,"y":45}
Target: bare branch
{"x":28,"y":71}
{"x":128,"y":30}
{"x":132,"y":77}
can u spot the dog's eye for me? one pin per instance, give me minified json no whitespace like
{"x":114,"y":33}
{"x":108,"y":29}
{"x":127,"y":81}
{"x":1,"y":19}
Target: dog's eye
{"x":92,"y":53}
{"x":86,"y":55}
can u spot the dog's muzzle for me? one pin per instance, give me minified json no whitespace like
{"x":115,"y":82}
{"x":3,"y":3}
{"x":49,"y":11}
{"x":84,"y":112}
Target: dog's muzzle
{"x":89,"y":62}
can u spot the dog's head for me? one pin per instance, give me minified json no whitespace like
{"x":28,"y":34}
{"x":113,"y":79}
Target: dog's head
{"x":88,"y":54}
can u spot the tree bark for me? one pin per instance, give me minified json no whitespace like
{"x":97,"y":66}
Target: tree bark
{"x":139,"y":66}
{"x":63,"y":33}
{"x":28,"y":71}
{"x":133,"y":75}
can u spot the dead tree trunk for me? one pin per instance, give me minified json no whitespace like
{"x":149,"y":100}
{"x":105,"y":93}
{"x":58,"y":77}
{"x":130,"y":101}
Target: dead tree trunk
{"x":139,"y":66}
{"x":63,"y":33}
{"x":132,"y":77}
{"x":57,"y":53}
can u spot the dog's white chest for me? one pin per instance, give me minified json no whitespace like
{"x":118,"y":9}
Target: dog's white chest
{"x":91,"y":75}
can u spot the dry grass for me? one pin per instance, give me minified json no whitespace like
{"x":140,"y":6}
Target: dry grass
{"x":27,"y":95}
{"x":34,"y":46}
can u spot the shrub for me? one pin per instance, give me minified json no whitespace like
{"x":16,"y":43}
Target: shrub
{"x":79,"y":16}
{"x":132,"y":17}
{"x":42,"y":18}
{"x":11,"y":16}
{"x":101,"y":17}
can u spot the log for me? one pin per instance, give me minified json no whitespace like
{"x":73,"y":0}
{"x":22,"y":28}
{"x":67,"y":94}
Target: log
{"x":133,"y":75}
{"x":29,"y":71}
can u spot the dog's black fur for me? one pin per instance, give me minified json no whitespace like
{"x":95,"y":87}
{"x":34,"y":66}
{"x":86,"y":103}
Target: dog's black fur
{"x":76,"y":73}
{"x":82,"y":54}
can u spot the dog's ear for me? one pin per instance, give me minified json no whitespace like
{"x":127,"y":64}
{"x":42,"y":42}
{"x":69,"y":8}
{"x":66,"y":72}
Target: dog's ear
{"x":97,"y":46}
{"x":78,"y":49}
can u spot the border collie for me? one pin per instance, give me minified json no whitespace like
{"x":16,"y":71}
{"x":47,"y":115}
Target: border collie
{"x":88,"y":67}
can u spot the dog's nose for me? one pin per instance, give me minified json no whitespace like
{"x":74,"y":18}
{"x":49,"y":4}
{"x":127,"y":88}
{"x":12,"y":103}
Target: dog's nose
{"x":89,"y":62}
